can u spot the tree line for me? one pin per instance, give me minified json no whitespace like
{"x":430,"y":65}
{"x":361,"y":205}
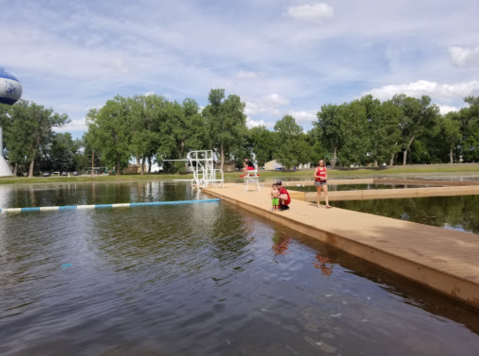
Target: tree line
{"x":150,"y":128}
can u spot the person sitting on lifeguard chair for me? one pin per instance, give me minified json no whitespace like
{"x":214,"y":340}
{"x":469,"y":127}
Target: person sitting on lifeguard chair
{"x":247,"y":166}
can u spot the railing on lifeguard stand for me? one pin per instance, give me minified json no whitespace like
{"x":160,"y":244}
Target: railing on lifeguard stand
{"x":204,"y":173}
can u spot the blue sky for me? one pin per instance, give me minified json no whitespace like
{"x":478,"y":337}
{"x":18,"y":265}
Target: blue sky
{"x":281,"y":56}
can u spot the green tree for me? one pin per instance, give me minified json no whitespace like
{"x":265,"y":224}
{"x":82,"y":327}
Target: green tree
{"x":385,"y":133}
{"x":29,"y":130}
{"x":331,"y":130}
{"x":91,"y":142}
{"x":353,"y":133}
{"x":181,"y":128}
{"x":318,"y":151}
{"x":226,"y":122}
{"x":419,"y":117}
{"x":291,"y":148}
{"x":110,"y":129}
{"x":449,"y":132}
{"x":14,"y":136}
{"x":262,"y":142}
{"x":146,"y":112}
{"x":61,"y":155}
{"x":191,"y":131}
{"x":82,"y":158}
{"x":469,"y":122}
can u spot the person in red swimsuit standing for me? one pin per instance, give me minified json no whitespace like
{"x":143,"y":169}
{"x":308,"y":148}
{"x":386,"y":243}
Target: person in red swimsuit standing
{"x":284,"y":198}
{"x":321,"y":182}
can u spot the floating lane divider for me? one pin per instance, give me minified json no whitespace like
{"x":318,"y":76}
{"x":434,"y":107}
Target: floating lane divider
{"x":106,"y":206}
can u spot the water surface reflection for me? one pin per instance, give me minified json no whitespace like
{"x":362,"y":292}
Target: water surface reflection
{"x":201,"y":280}
{"x":458,"y":213}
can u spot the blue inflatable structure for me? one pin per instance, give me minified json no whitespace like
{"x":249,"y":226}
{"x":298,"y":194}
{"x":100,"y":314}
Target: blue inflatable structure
{"x":10,"y":93}
{"x":10,"y":88}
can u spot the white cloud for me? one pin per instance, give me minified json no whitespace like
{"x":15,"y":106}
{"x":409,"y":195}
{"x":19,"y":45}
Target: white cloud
{"x":84,"y":55}
{"x":258,"y":108}
{"x":268,"y":105}
{"x":437,"y":91}
{"x":149,"y":93}
{"x":246,"y":75}
{"x":254,"y":123}
{"x":303,"y":117}
{"x":73,"y":125}
{"x":464,"y":57}
{"x":276,"y":100}
{"x":444,"y":109}
{"x":315,"y":12}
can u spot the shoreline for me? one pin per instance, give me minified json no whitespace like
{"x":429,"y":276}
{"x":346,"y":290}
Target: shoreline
{"x":463,"y":169}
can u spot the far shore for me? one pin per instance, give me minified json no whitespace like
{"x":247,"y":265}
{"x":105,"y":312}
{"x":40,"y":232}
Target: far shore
{"x":442,"y":169}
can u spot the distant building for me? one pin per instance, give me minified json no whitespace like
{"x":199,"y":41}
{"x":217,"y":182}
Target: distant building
{"x":273,"y":165}
{"x":133,"y":168}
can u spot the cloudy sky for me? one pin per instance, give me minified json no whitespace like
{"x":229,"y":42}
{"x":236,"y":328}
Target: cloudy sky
{"x":281,"y":56}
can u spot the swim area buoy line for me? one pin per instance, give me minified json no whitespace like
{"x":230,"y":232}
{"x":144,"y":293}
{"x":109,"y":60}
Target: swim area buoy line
{"x":106,"y":206}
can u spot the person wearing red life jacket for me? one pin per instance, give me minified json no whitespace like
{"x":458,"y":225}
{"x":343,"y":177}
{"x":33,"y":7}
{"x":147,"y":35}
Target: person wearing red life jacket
{"x":321,"y":182}
{"x":284,"y":198}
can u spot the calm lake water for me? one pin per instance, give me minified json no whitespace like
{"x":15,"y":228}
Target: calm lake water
{"x":202,"y":279}
{"x":458,"y":213}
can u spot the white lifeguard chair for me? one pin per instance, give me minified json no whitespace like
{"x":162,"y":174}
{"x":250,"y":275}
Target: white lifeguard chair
{"x":204,"y":172}
{"x":252,"y":177}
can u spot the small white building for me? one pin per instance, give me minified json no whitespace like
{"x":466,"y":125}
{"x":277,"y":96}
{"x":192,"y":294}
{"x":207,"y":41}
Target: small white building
{"x":272,"y":165}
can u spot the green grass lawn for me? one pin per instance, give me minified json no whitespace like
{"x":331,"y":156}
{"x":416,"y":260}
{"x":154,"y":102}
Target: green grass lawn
{"x":264,"y":174}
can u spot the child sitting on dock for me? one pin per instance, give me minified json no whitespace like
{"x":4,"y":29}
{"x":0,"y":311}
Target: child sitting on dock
{"x":275,"y":197}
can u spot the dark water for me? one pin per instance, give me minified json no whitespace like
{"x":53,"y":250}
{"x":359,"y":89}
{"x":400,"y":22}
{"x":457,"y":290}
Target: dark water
{"x":347,"y":187}
{"x":458,"y":213}
{"x":204,"y":279}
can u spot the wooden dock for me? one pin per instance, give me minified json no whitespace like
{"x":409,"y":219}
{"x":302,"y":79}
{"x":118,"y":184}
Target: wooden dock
{"x":428,"y":188}
{"x":444,"y":260}
{"x":388,"y":193}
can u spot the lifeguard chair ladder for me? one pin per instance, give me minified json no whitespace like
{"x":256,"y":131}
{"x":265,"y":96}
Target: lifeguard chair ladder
{"x":253,"y":178}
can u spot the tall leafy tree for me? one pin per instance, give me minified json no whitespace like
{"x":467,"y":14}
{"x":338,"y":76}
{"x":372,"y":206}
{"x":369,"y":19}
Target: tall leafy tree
{"x":226,"y":122}
{"x":92,"y":145}
{"x":14,"y":137}
{"x":30,"y":129}
{"x":262,"y":143}
{"x":61,"y":153}
{"x":469,"y":120}
{"x":331,"y":128}
{"x":354,"y":133}
{"x":192,"y":131}
{"x":182,"y":129}
{"x":449,"y":132}
{"x":318,"y":151}
{"x":145,"y":115}
{"x":110,"y":129}
{"x":385,"y":133}
{"x":291,"y":148}
{"x":419,"y":117}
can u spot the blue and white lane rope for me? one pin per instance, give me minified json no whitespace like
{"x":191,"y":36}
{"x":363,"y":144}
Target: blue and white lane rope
{"x":106,"y":206}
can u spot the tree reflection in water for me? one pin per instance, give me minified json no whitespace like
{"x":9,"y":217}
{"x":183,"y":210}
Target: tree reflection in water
{"x":324,"y":264}
{"x":457,"y":212}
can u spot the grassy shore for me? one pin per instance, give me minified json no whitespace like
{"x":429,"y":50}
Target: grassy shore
{"x":398,"y":170}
